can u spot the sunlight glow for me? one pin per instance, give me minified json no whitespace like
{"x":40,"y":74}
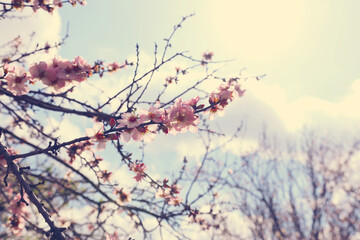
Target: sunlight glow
{"x":273,"y":30}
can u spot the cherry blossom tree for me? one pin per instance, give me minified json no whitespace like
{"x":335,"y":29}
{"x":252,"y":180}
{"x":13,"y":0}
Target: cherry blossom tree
{"x":303,"y":190}
{"x":45,"y":179}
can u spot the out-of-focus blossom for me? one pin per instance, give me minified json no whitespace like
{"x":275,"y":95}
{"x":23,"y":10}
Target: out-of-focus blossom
{"x":96,"y":134}
{"x":139,"y":169}
{"x":124,"y":196}
{"x":129,"y":120}
{"x":17,"y":81}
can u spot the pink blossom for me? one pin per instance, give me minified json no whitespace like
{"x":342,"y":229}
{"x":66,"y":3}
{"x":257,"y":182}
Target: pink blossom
{"x":18,"y":4}
{"x":154,"y":114}
{"x":63,"y":68}
{"x":90,"y":227}
{"x":139,"y":177}
{"x":96,"y":161}
{"x":57,"y":3}
{"x":162,"y":193}
{"x":44,"y":4}
{"x":139,"y":169}
{"x":52,"y":79}
{"x":36,"y":5}
{"x":170,"y":79}
{"x":96,"y":134}
{"x":208,"y":56}
{"x":16,"y":81}
{"x":174,"y":200}
{"x":16,"y":225}
{"x":217,"y":109}
{"x":146,"y":133}
{"x":181,"y":117}
{"x":113,"y":66}
{"x":124,"y":196}
{"x":16,"y":207}
{"x":169,"y":195}
{"x":192,"y":102}
{"x":114,"y":236}
{"x":126,"y":135}
{"x":7,"y":68}
{"x":80,"y":69}
{"x":82,"y":2}
{"x":230,"y":90}
{"x":38,"y":70}
{"x":105,"y":175}
{"x":61,"y":71}
{"x":135,"y":134}
{"x":168,"y":191}
{"x":175,"y":189}
{"x":238,"y":91}
{"x":214,"y":100}
{"x":226,"y":93}
{"x":129,"y":120}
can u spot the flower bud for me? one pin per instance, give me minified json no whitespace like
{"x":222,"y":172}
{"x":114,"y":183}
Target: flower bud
{"x":112,"y":122}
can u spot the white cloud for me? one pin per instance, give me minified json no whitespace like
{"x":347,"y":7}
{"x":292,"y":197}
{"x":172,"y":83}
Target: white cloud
{"x":239,"y":225}
{"x":266,"y":107}
{"x":45,"y":26}
{"x":241,"y":146}
{"x":260,"y":32}
{"x":66,"y":129}
{"x":307,"y":111}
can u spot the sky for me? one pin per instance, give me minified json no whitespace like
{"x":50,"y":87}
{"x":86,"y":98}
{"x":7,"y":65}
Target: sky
{"x":310,"y":43}
{"x":308,"y":50}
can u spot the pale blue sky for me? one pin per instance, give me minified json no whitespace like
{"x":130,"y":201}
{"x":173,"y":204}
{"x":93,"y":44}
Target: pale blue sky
{"x":307,"y":47}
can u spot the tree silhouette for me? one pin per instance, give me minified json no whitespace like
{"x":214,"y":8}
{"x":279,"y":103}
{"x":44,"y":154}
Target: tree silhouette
{"x":45,"y":178}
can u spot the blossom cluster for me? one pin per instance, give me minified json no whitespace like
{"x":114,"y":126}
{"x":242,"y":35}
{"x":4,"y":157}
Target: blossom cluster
{"x":17,"y":79}
{"x":46,"y":5}
{"x":180,"y":117}
{"x":60,"y":72}
{"x":144,"y":124}
{"x":139,"y":169}
{"x":139,"y":125}
{"x":169,"y":193}
{"x":225,"y":94}
{"x":57,"y":74}
{"x":18,"y":209}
